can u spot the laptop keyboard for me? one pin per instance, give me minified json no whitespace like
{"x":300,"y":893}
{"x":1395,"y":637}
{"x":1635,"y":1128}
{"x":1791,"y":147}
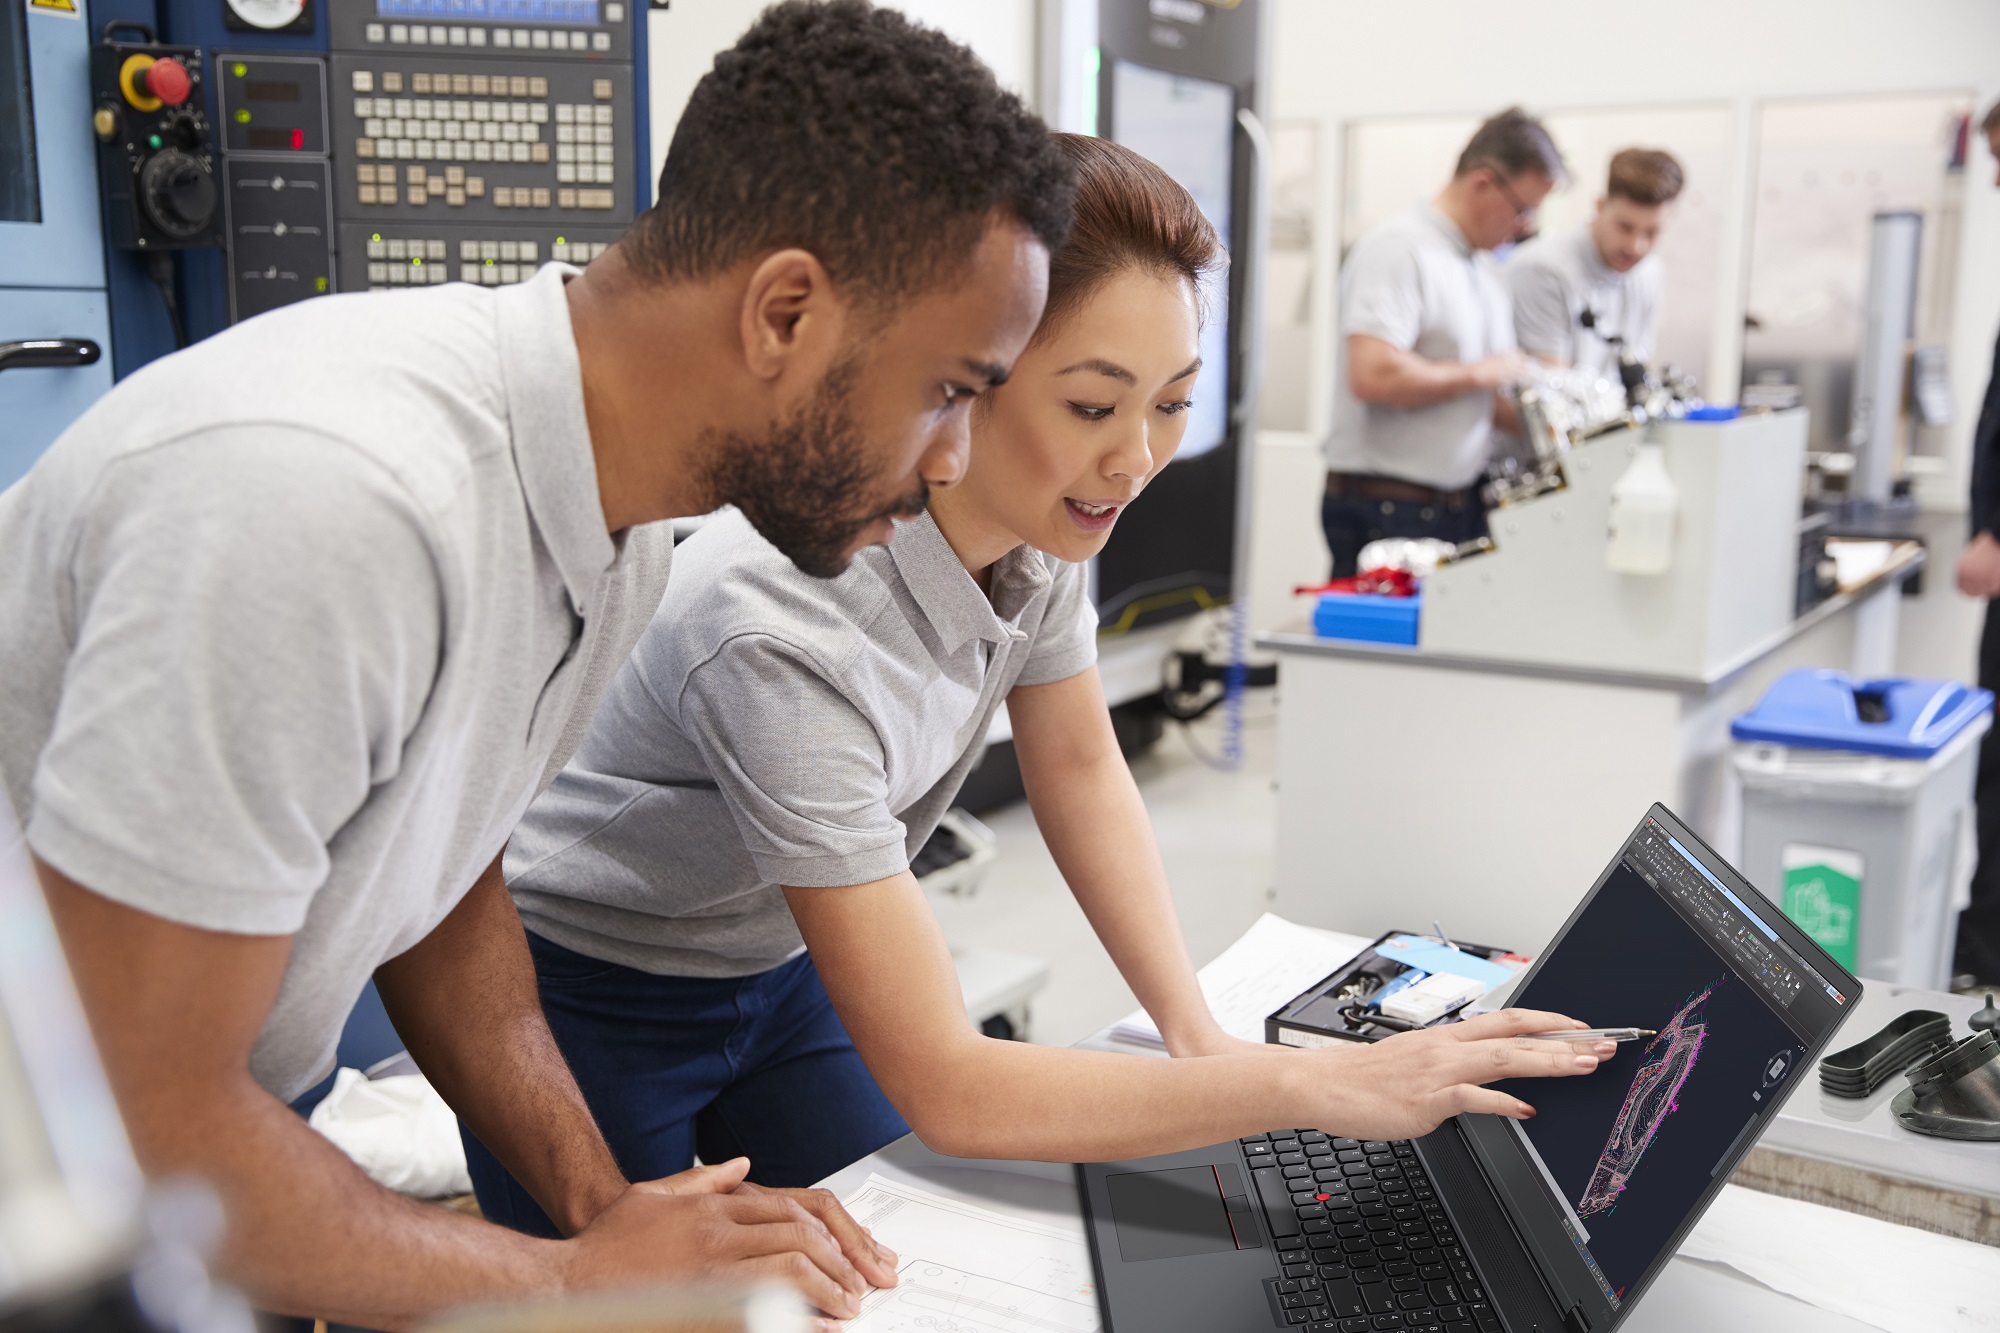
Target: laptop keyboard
{"x":1362,"y":1241}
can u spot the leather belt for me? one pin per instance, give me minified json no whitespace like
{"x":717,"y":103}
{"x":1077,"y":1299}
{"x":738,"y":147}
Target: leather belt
{"x":1370,"y":486}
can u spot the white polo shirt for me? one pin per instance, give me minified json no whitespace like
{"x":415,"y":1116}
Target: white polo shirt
{"x":1418,"y":285}
{"x":298,"y":621}
{"x":1555,"y":278}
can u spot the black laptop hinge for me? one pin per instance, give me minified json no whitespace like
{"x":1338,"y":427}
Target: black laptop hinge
{"x":1574,"y":1318}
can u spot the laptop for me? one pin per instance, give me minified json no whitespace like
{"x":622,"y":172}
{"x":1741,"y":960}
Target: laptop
{"x":1555,"y":1225}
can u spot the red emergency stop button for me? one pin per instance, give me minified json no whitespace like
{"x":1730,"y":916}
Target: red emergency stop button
{"x":165,"y":79}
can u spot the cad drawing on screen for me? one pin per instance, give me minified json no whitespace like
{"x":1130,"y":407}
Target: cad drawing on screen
{"x":1654,"y":1095}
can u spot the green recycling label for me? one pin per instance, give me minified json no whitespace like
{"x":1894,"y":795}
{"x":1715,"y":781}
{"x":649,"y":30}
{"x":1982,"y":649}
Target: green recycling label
{"x":1823,"y":897}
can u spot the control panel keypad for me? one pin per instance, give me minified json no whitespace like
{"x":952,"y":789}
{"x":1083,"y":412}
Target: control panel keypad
{"x":478,"y":139}
{"x":428,"y":255}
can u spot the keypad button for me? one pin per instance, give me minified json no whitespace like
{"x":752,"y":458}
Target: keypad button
{"x":600,"y":41}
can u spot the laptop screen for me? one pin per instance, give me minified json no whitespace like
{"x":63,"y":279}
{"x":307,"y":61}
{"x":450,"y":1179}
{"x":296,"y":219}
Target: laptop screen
{"x":1671,"y":940}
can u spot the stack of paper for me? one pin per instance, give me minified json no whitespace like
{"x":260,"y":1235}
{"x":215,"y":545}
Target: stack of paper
{"x":1273,"y":961}
{"x":966,"y":1269}
{"x":1896,"y":1278}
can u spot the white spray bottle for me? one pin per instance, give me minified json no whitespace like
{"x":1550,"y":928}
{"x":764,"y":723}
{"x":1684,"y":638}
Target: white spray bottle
{"x":1645,"y":510}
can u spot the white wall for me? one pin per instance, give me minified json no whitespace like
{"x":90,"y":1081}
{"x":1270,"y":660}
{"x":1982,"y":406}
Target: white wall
{"x":683,"y":41}
{"x":1337,"y":61}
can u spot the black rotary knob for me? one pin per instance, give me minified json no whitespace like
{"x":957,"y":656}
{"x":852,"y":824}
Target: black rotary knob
{"x":177,"y":191}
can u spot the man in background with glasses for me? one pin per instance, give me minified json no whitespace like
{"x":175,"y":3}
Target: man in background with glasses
{"x":1427,"y":343}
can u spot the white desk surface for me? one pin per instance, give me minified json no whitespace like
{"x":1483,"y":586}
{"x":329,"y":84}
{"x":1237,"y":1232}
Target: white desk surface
{"x":1691,"y":1294}
{"x":1688,"y":1296}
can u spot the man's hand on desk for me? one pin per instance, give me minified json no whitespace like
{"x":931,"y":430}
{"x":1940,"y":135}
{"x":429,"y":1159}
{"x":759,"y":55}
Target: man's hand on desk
{"x":708,"y":1223}
{"x":1409,"y":1084}
{"x":1979,"y":567}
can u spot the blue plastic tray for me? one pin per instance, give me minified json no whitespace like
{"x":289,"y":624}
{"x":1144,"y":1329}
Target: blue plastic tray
{"x":1829,"y":710}
{"x":1368,"y":617}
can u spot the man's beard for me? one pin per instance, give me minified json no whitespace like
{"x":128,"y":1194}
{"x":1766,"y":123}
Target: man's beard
{"x":807,"y":486}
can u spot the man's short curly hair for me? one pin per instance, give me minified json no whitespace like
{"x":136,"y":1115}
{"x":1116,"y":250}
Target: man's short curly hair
{"x":882,"y":147}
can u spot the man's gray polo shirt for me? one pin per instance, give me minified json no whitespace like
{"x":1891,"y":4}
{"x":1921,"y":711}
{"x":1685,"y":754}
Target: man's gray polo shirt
{"x":1555,"y":278}
{"x":775,"y":729}
{"x":300,"y":620}
{"x":1418,"y":285}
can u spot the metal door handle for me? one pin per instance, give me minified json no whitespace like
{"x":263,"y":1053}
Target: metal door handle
{"x":49,"y":353}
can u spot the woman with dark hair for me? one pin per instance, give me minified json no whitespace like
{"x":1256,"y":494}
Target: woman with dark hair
{"x":734,"y":954}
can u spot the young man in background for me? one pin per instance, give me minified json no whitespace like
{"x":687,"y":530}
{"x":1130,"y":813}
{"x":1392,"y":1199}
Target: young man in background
{"x":1585,"y":294}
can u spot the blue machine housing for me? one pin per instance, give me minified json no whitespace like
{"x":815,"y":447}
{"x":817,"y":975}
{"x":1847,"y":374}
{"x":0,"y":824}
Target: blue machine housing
{"x":1896,"y":716}
{"x":140,"y":329}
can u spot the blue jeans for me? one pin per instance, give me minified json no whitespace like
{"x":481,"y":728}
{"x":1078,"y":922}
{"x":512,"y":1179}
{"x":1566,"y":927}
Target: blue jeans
{"x":1351,"y":522}
{"x":672,"y":1067}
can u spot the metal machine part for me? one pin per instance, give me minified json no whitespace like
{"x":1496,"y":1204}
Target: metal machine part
{"x":1894,"y":253}
{"x":1560,"y":408}
{"x":1956,"y":1093}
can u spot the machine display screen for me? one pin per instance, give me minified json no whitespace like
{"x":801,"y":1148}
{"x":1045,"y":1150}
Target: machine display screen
{"x":20,"y":182}
{"x":1188,"y":126}
{"x":578,"y":13}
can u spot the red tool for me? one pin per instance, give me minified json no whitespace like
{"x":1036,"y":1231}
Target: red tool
{"x":1382,"y":582}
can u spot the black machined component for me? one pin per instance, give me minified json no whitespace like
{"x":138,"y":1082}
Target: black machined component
{"x":1860,"y":1069}
{"x":1956,"y":1093}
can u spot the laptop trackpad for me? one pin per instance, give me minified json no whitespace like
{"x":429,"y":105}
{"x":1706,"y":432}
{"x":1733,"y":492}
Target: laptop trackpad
{"x":1169,"y":1214}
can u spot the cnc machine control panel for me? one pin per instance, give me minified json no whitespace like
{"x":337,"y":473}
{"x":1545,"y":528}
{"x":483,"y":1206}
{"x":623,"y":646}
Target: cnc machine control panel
{"x":475,"y":140}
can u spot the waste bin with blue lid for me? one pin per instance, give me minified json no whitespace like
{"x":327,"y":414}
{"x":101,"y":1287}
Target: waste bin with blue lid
{"x":1857,"y":813}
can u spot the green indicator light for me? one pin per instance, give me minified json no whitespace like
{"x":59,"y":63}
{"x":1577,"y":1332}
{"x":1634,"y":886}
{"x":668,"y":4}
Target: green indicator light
{"x":417,"y":262}
{"x":560,"y":240}
{"x":319,"y":286}
{"x":376,"y":237}
{"x":243,"y":117}
{"x":153,"y":141}
{"x":239,"y":69}
{"x":489,"y":263}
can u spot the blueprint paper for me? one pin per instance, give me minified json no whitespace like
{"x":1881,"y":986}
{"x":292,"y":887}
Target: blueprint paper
{"x":1269,"y":964}
{"x":966,"y":1269}
{"x":1430,"y":956}
{"x":1897,"y":1278}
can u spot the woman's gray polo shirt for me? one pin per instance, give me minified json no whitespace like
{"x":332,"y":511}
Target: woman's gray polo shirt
{"x":775,"y":729}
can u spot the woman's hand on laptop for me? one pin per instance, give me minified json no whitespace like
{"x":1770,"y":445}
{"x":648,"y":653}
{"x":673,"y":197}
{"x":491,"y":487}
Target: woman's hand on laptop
{"x":1409,"y":1084}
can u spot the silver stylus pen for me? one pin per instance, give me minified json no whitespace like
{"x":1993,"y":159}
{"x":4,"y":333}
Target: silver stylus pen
{"x":1595,"y":1034}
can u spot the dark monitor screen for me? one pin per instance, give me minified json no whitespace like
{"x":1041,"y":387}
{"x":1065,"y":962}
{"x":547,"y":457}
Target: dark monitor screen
{"x":1667,"y":943}
{"x":20,"y":181}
